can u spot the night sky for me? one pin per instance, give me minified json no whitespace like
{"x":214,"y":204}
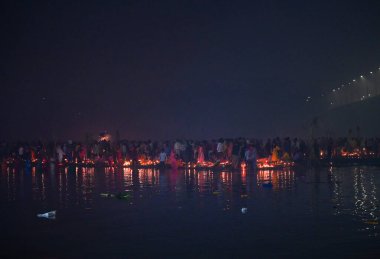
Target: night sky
{"x":176,"y":69}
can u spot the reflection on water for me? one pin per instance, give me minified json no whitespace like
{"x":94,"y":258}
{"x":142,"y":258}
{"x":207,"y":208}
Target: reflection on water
{"x":351,"y":191}
{"x":280,"y":179}
{"x":81,"y":184}
{"x":355,"y":194}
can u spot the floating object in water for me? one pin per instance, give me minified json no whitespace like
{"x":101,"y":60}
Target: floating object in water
{"x":267,"y":185}
{"x":123,"y":196}
{"x":107,"y":195}
{"x":244,"y":196}
{"x":48,"y":215}
{"x":216,"y":193}
{"x":372,"y":222}
{"x":244,"y":210}
{"x":120,"y":195}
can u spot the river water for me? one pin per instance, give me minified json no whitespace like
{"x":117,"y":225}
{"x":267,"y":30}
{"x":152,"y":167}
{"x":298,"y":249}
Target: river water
{"x":327,"y":212}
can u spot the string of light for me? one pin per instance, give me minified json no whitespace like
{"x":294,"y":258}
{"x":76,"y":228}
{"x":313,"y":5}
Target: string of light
{"x":343,"y":86}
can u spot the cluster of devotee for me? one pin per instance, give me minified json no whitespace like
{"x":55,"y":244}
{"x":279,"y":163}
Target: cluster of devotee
{"x":233,"y":151}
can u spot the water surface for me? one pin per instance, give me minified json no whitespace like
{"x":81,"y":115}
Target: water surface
{"x":329,"y":212}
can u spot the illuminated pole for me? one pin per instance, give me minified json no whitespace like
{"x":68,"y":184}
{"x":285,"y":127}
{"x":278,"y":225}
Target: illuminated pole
{"x":376,"y":81}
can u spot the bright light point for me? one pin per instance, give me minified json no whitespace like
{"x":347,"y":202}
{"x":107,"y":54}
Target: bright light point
{"x":354,"y":80}
{"x":371,"y":72}
{"x":362,"y":76}
{"x":333,"y":90}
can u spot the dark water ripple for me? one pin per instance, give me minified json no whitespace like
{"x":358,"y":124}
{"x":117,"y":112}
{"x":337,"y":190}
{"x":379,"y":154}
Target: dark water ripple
{"x":317,"y":213}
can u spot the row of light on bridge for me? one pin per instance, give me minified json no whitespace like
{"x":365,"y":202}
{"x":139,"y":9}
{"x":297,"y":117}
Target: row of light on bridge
{"x":308,"y":99}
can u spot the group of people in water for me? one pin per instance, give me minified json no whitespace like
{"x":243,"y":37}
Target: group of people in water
{"x":234,"y":151}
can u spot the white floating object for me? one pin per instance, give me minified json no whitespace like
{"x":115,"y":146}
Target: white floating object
{"x":48,"y":215}
{"x":244,"y":210}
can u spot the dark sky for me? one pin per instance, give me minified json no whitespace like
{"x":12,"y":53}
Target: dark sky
{"x":168,"y":69}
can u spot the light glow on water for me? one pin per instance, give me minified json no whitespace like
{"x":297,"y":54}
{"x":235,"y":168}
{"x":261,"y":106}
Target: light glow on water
{"x":341,"y":203}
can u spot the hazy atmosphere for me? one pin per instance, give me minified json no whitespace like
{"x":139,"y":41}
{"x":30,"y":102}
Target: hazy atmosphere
{"x":189,"y":69}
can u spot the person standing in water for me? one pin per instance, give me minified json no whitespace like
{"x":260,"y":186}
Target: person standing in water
{"x":173,"y":160}
{"x":235,"y":154}
{"x":60,"y":154}
{"x":162,"y":157}
{"x":201,"y":156}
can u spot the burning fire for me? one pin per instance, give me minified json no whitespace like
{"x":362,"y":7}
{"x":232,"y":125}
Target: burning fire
{"x":266,"y":164}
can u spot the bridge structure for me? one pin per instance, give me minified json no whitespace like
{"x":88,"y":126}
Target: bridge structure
{"x":351,"y":105}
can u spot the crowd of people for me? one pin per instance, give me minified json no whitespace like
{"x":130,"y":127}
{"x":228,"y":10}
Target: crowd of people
{"x":234,"y":151}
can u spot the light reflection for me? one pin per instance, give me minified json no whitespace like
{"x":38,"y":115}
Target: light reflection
{"x":88,"y":185}
{"x":127,"y":177}
{"x":244,"y":177}
{"x":203,"y":181}
{"x":148,"y":177}
{"x":280,"y":180}
{"x":62,"y":186}
{"x":350,"y":191}
{"x":362,"y":204}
